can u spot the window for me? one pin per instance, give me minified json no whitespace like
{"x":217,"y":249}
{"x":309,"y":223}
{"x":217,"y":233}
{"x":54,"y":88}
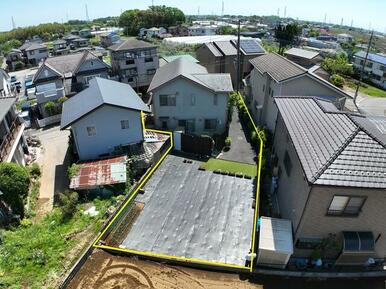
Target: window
{"x":130,"y":79}
{"x":182,"y":122}
{"x":133,"y":71}
{"x":287,"y":163}
{"x":129,"y":61}
{"x":124,"y":124}
{"x":346,"y":206}
{"x":91,"y":130}
{"x":210,"y":124}
{"x":369,"y":64}
{"x":32,"y":52}
{"x":42,"y":51}
{"x":308,"y":243}
{"x":150,"y":71}
{"x":215,"y":99}
{"x":167,"y":100}
{"x":382,"y":68}
{"x":148,"y":59}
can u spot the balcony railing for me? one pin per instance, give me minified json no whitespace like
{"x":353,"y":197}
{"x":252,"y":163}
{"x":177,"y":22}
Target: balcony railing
{"x":9,"y":139}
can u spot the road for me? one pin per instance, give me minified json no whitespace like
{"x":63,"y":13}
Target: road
{"x":54,"y":161}
{"x":369,"y":105}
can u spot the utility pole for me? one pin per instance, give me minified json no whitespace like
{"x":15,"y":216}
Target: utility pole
{"x":13,"y":23}
{"x":363,"y":67}
{"x":325,"y":18}
{"x":222,"y":9}
{"x":198,"y":11}
{"x":341,"y":22}
{"x":285,"y":11}
{"x":238,"y":58}
{"x":87,"y":18}
{"x":278,"y":12}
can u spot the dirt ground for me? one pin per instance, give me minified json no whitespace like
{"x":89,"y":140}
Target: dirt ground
{"x":106,"y":271}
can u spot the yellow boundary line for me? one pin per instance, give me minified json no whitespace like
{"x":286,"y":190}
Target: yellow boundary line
{"x":171,"y":257}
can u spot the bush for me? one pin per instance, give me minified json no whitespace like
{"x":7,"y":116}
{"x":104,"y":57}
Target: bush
{"x":18,"y":65}
{"x":72,"y":170}
{"x":228,"y":141}
{"x":50,"y":107}
{"x":337,"y":80}
{"x":34,"y":171}
{"x":14,"y":184}
{"x":68,"y":201}
{"x":62,"y":99}
{"x":25,"y":222}
{"x":254,"y":137}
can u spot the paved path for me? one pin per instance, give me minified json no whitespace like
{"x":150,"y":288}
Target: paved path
{"x":54,"y":165}
{"x":369,"y":105}
{"x":241,"y":150}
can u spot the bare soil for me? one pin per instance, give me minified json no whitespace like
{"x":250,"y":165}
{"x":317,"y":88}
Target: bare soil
{"x":103,"y":270}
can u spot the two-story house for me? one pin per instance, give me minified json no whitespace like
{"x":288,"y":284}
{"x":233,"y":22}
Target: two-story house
{"x":199,"y":30}
{"x":103,"y":117}
{"x":60,"y":47}
{"x":186,"y":97}
{"x":13,"y":146}
{"x":35,"y":53}
{"x":221,"y":56}
{"x":375,"y":67}
{"x":85,"y":33}
{"x":135,"y":62}
{"x":79,"y":43}
{"x":331,"y":179}
{"x":66,"y":75}
{"x":70,"y":38}
{"x":108,"y":39}
{"x":274,"y":75}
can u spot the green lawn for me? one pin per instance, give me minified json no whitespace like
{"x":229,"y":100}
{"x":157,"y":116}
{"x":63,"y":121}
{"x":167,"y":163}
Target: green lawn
{"x":366,"y":89}
{"x":231,"y":167}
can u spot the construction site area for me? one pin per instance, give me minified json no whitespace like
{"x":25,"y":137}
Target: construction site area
{"x":189,"y":213}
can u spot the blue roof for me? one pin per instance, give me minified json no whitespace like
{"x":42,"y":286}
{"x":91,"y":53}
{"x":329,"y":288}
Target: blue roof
{"x":372,"y":57}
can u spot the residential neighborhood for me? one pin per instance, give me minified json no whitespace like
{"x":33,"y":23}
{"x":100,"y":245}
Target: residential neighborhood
{"x":144,"y":145}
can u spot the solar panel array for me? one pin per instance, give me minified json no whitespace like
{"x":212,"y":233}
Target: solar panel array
{"x":250,"y":46}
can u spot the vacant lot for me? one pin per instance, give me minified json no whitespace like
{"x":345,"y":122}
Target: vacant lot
{"x":106,"y":271}
{"x":231,"y":167}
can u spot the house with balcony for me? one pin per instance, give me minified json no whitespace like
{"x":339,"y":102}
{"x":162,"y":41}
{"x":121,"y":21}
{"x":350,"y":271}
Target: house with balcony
{"x":60,"y":47}
{"x":274,"y":75}
{"x":375,"y":67}
{"x":330,"y":176}
{"x":135,"y":62}
{"x":70,"y":38}
{"x":34,"y":52}
{"x":104,"y":117}
{"x":13,"y":146}
{"x":66,"y":75}
{"x":185,"y":97}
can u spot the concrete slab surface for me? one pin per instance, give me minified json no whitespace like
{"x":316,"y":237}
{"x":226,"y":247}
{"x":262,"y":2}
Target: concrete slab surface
{"x":194,"y":214}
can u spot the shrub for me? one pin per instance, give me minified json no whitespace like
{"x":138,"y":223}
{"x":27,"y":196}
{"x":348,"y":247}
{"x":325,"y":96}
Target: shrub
{"x":50,"y":107}
{"x":254,"y":137}
{"x":25,"y":222}
{"x":18,"y":65}
{"x":62,"y":99}
{"x":73,"y":170}
{"x":228,"y":141}
{"x":14,"y":184}
{"x":34,"y":170}
{"x":337,"y":80}
{"x":68,"y":201}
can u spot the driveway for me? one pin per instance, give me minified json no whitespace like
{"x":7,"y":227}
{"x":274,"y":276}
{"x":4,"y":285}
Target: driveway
{"x":54,"y":161}
{"x":241,"y":150}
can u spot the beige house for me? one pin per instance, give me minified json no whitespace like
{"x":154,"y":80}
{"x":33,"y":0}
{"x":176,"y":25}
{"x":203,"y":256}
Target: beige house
{"x":221,"y":56}
{"x":330,"y":171}
{"x":274,"y":75}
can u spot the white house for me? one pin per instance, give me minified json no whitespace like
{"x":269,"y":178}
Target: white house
{"x":344,"y":38}
{"x":5,"y":83}
{"x":186,"y":97}
{"x":103,"y":117}
{"x":273,"y":75}
{"x":375,"y":66}
{"x":152,"y":32}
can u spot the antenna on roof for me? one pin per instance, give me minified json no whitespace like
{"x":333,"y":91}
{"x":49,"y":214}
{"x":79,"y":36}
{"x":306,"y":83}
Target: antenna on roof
{"x":278,"y":12}
{"x":352,"y":21}
{"x":222,"y":9}
{"x":13,"y":23}
{"x":341,"y":22}
{"x":285,"y":11}
{"x":198,"y":11}
{"x":87,"y":18}
{"x":325,"y":18}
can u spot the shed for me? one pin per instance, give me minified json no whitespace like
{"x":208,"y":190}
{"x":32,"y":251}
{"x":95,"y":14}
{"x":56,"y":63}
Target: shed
{"x":275,"y":242}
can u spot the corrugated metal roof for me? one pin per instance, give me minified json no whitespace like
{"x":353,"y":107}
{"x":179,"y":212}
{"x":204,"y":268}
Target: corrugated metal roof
{"x":277,"y":66}
{"x":219,"y":82}
{"x":332,"y":148}
{"x":372,"y":56}
{"x":101,"y":91}
{"x":100,"y":173}
{"x":302,"y":53}
{"x":226,"y":47}
{"x":213,"y":49}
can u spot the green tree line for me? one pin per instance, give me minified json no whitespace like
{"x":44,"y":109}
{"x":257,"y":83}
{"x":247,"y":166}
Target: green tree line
{"x":133,"y":20}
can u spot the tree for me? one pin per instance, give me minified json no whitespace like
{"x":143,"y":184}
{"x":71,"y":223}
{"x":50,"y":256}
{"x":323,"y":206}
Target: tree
{"x":50,"y":107}
{"x":68,"y":201}
{"x":7,"y":47}
{"x":227,"y":30}
{"x":337,"y":65}
{"x":14,"y":184}
{"x":286,"y":35}
{"x":337,"y":80}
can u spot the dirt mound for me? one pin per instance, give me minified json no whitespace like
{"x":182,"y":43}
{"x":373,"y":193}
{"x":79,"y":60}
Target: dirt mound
{"x":106,"y":271}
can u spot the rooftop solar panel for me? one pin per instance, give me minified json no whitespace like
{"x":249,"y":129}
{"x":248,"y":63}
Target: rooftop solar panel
{"x":250,"y":46}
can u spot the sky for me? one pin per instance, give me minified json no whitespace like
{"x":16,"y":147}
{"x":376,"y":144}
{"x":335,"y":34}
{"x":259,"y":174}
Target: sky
{"x":366,"y":14}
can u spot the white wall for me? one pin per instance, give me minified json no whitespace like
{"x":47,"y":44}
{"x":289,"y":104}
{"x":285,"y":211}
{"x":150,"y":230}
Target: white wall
{"x":203,"y":108}
{"x":107,"y":121}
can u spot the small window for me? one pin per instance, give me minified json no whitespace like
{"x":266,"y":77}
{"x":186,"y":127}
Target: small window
{"x":32,"y":52}
{"x":130,"y":79}
{"x":133,"y":71}
{"x":167,"y":100}
{"x":91,"y":130}
{"x":215,"y":99}
{"x":210,"y":124}
{"x":124,"y":124}
{"x":148,"y":59}
{"x":42,"y":51}
{"x":182,"y":122}
{"x":345,"y":206}
{"x":150,"y":71}
{"x":287,"y":163}
{"x":130,"y":61}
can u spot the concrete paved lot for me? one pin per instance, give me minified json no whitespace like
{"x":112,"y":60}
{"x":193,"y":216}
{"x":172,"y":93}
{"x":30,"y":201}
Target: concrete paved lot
{"x":54,"y":165}
{"x":194,"y":214}
{"x":241,"y":150}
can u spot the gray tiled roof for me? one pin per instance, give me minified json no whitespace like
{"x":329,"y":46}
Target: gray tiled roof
{"x":334,"y":148}
{"x":277,"y":66}
{"x":101,"y":91}
{"x":218,"y":82}
{"x":58,"y":41}
{"x":213,"y":49}
{"x":226,"y":47}
{"x":130,"y":44}
{"x":5,"y":105}
{"x":35,"y":46}
{"x":302,"y":53}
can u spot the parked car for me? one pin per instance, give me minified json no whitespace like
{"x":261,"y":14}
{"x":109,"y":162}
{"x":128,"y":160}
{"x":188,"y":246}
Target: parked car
{"x":28,"y":81}
{"x":13,"y":78}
